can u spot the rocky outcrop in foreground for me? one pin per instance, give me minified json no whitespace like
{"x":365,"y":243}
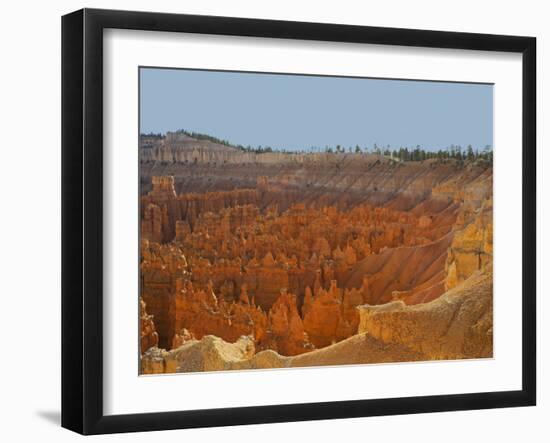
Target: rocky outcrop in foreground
{"x":213,"y":354}
{"x":457,"y":325}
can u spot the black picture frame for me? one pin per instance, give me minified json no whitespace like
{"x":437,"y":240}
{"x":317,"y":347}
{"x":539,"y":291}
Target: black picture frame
{"x":82,"y":215}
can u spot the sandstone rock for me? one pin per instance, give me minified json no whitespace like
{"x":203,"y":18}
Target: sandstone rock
{"x":458,"y":324}
{"x":163,"y":188}
{"x":202,"y":313}
{"x":153,"y":361}
{"x":472,"y":246}
{"x":209,"y":354}
{"x":161,"y":266}
{"x":409,"y":270}
{"x":213,"y":354}
{"x":283,"y":248}
{"x":181,"y":338}
{"x":148,"y":335}
{"x":151,"y":223}
{"x":286,"y":329}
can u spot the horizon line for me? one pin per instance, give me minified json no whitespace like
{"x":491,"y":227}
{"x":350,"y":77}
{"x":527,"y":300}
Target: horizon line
{"x":313,"y":148}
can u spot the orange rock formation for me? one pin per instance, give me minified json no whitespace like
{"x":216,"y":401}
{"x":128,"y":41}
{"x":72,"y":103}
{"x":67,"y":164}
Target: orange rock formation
{"x":283,"y":249}
{"x":148,"y":335}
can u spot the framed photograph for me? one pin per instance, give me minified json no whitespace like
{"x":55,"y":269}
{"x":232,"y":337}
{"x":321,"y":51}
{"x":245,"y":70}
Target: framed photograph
{"x":268,"y":221}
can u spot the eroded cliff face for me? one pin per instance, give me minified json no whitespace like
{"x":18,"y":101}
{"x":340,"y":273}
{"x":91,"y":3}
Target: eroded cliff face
{"x":283,"y":249}
{"x":459,"y":324}
{"x":472,"y":246}
{"x":148,"y":334}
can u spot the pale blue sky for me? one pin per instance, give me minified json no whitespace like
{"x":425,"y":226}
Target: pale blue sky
{"x":298,"y":112}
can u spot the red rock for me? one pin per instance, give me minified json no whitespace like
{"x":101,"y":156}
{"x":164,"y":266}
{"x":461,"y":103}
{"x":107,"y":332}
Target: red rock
{"x":148,"y":335}
{"x":280,"y":253}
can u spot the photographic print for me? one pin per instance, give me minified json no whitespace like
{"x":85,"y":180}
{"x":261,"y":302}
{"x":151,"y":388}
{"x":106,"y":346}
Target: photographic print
{"x":303,"y":220}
